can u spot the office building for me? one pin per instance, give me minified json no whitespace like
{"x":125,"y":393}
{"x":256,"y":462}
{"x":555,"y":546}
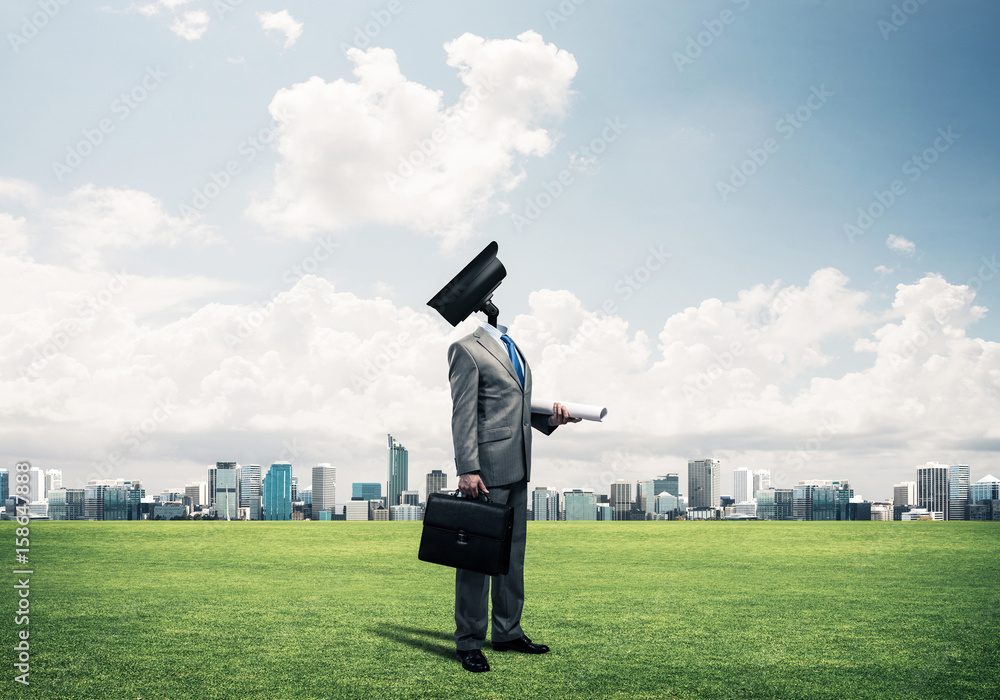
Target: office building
{"x":406,"y":512}
{"x":356,"y":510}
{"x":802,"y":500}
{"x":397,"y":465}
{"x":544,"y":504}
{"x":409,"y":498}
{"x":169,"y":510}
{"x":904,"y":494}
{"x":4,"y":486}
{"x":703,"y":483}
{"x":761,"y":480}
{"x":604,"y":512}
{"x":742,"y":485}
{"x":986,"y":489}
{"x":53,"y":480}
{"x":198,"y":494}
{"x":276,"y":491}
{"x":227,"y":490}
{"x":620,"y":499}
{"x":365,"y":491}
{"x":250,"y":490}
{"x":666,"y":504}
{"x":295,"y":488}
{"x":958,"y":492}
{"x":437,"y":480}
{"x":324,"y":490}
{"x":306,"y":496}
{"x":831,"y":501}
{"x":669,"y":483}
{"x":36,"y":485}
{"x":932,"y":488}
{"x":66,"y":504}
{"x":580,"y":504}
{"x":644,"y":495}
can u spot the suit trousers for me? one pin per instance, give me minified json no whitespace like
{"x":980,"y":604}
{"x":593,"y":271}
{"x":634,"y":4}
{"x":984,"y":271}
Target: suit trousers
{"x":472,"y":588}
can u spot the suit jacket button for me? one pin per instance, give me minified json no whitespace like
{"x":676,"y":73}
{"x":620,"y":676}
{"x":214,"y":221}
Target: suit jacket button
{"x":525,"y":424}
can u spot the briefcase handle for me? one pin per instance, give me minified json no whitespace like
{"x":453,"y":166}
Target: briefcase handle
{"x":459,"y":494}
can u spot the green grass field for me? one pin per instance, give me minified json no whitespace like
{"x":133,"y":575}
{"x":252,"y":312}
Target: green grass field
{"x":631,"y":610}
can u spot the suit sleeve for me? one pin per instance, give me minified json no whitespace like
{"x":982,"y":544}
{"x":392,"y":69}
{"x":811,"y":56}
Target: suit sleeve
{"x":540,"y":421}
{"x":463,"y":374}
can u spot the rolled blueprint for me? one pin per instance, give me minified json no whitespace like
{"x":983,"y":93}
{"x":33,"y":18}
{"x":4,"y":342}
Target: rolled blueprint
{"x":576,"y":410}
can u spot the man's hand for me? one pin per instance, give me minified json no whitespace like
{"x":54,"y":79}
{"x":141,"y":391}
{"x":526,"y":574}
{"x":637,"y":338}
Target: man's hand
{"x":471,"y":485}
{"x":560,"y":415}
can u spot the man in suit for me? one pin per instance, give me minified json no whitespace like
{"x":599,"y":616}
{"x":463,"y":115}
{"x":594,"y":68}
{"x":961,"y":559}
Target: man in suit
{"x":491,"y":426}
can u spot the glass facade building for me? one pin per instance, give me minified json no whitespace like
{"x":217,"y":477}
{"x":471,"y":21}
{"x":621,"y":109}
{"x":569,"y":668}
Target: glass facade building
{"x":580,"y":504}
{"x":958,"y":492}
{"x":277,"y":492}
{"x":704,"y":487}
{"x":397,"y":465}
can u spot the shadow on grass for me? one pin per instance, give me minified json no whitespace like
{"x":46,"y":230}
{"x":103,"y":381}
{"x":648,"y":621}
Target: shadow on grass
{"x":421,"y":639}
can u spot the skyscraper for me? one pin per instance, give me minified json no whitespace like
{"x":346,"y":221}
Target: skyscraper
{"x":277,"y":492}
{"x":742,"y":484}
{"x":644,"y":495}
{"x":250,"y":490}
{"x":227,"y":490}
{"x":53,"y":480}
{"x":932,"y":488}
{"x":958,"y":492}
{"x":544,"y":504}
{"x":620,"y":499}
{"x":581,"y":504}
{"x":398,"y":471}
{"x":4,"y":487}
{"x":324,"y":490}
{"x":761,"y":480}
{"x":904,"y":494}
{"x":36,"y":485}
{"x":436,"y":481}
{"x":703,"y":483}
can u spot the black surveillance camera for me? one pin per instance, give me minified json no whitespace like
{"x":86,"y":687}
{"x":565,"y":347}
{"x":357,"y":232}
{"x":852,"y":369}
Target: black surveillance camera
{"x":472,"y":289}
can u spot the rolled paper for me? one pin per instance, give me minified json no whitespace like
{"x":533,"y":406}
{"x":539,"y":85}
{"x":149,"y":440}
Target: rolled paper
{"x":576,"y":410}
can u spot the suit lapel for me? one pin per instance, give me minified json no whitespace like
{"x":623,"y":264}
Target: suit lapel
{"x":499,"y":352}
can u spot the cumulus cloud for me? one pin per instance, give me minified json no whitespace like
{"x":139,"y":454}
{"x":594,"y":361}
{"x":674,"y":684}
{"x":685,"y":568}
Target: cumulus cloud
{"x":748,"y":380}
{"x":92,"y":219}
{"x":386,"y":150}
{"x":282,"y":23}
{"x":884,"y":271}
{"x":191,"y":25}
{"x":899,"y":244}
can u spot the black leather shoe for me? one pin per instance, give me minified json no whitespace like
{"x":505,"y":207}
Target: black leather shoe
{"x":522,"y":645}
{"x":473,"y":660}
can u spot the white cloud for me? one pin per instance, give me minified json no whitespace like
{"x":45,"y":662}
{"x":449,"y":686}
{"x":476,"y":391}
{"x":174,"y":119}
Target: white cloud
{"x":900,"y":244}
{"x":13,"y":240}
{"x":884,"y":271}
{"x":745,"y":380}
{"x":90,"y":220}
{"x":386,"y":150}
{"x":191,"y":25}
{"x":282,"y":23}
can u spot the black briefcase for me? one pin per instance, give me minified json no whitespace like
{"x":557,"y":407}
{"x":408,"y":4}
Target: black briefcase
{"x":467,"y":533}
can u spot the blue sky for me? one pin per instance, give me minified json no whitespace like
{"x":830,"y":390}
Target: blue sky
{"x":875,"y":98}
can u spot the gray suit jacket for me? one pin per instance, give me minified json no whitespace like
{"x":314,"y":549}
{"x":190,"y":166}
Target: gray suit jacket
{"x":491,"y":417}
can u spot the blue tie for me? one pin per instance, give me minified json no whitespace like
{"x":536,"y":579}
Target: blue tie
{"x":513,"y":357}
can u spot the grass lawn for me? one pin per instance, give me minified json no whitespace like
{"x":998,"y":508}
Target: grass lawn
{"x":202,"y":610}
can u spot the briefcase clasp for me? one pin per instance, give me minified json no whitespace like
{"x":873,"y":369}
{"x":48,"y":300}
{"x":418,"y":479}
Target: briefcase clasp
{"x":463,"y":537}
